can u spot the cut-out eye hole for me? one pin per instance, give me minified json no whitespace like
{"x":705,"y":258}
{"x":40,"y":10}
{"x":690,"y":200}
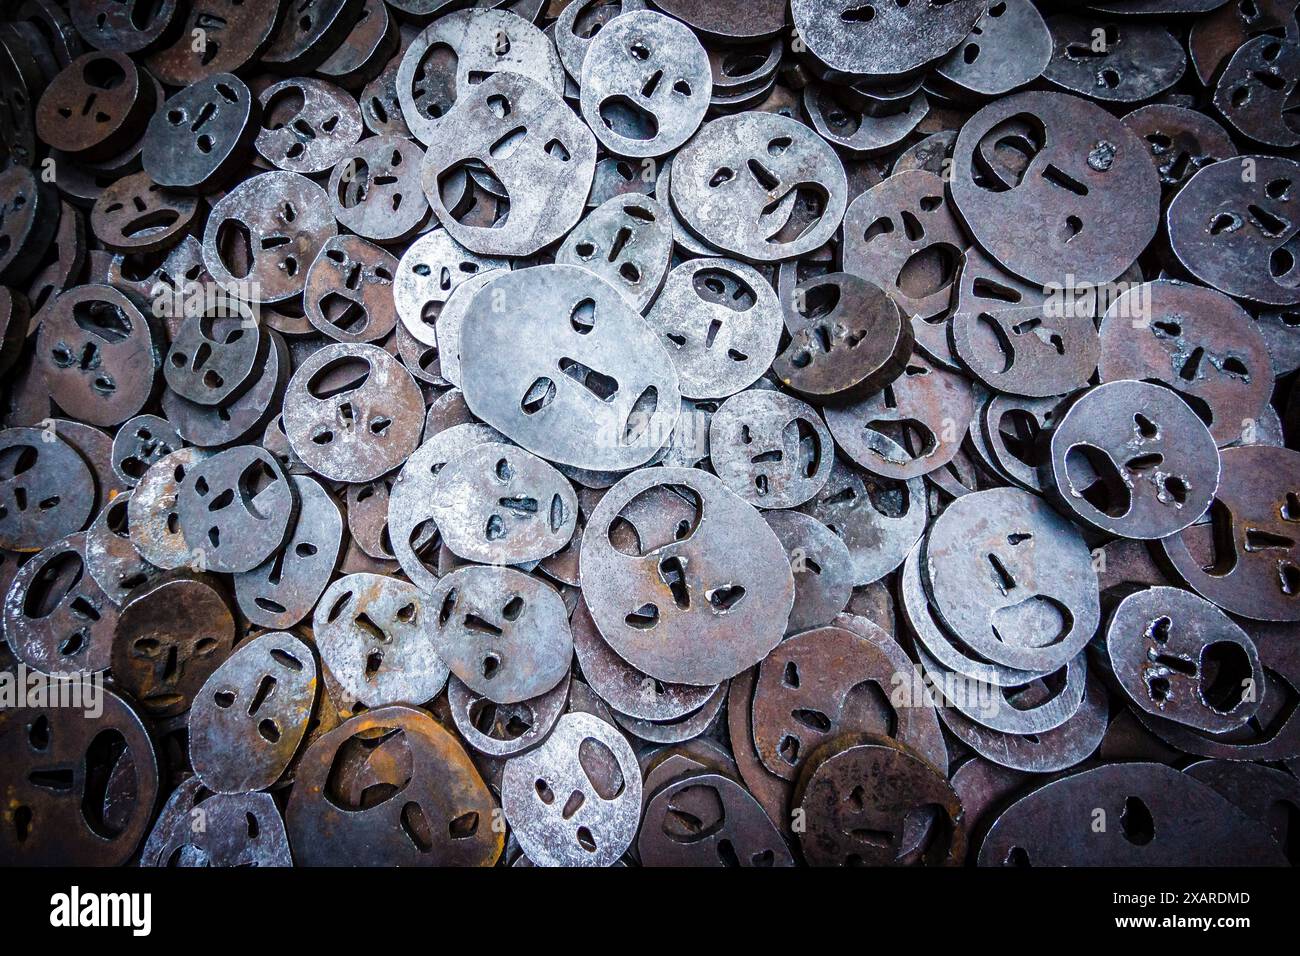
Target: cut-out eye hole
{"x":639,"y":50}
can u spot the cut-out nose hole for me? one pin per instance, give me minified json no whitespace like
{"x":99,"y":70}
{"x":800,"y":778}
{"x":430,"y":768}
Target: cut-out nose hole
{"x":1138,"y":826}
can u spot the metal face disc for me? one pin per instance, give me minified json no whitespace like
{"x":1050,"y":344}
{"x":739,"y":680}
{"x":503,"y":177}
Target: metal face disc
{"x":576,"y":799}
{"x":1113,"y":62}
{"x":497,"y":504}
{"x":646,"y":84}
{"x":857,"y":793}
{"x":153,"y":514}
{"x":173,"y":632}
{"x":695,"y":600}
{"x":267,"y":245}
{"x":823,"y":568}
{"x":502,"y":632}
{"x":200,"y":136}
{"x":375,"y":635}
{"x":1051,"y":185}
{"x":1131,"y":459}
{"x":721,"y":322}
{"x":307,"y":125}
{"x":1181,"y":141}
{"x":1009,"y":46}
{"x":216,"y":354}
{"x":1179,"y":657}
{"x":111,"y":558}
{"x":1242,"y":554}
{"x":375,"y":189}
{"x":733,"y":829}
{"x":432,"y":268}
{"x":577,"y":26}
{"x":522,"y":139}
{"x":503,"y":730}
{"x":557,"y":361}
{"x":47,"y":490}
{"x":102,"y":815}
{"x":771,"y":449}
{"x":759,"y":185}
{"x":1012,"y":579}
{"x":1256,"y":88}
{"x":242,"y":829}
{"x":391,"y":785}
{"x":349,"y":291}
{"x":888,"y":41}
{"x":627,"y":242}
{"x":1238,"y":233}
{"x":353,"y":412}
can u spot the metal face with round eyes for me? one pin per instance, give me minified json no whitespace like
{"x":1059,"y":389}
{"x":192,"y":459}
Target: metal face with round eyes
{"x":823,"y":568}
{"x":707,"y":819}
{"x":412,"y":533}
{"x":1256,"y":89}
{"x":283,"y":589}
{"x":236,"y":508}
{"x":375,"y":190}
{"x":859,"y":134}
{"x":530,"y":163}
{"x":1011,"y":579}
{"x":1131,"y":459}
{"x":1017,"y":337}
{"x":353,"y":412}
{"x":1181,"y":141}
{"x":576,"y":799}
{"x":200,"y":136}
{"x":234,"y":32}
{"x":1114,"y":62}
{"x":1195,"y":341}
{"x":95,"y":107}
{"x":431,"y":269}
{"x":108,"y":775}
{"x":885,"y":40}
{"x":626,"y":689}
{"x":135,"y":214}
{"x":391,"y":785}
{"x":879,"y":519}
{"x":1008,"y":47}
{"x":1238,"y":233}
{"x":1158,"y":817}
{"x":759,"y":185}
{"x":244,"y":419}
{"x":251,"y":715}
{"x":502,"y":632}
{"x":307,"y":125}
{"x":1179,"y":657}
{"x":111,"y":558}
{"x":720,"y":322}
{"x":139,"y":443}
{"x":1243,"y":554}
{"x":239,"y":829}
{"x":217,"y":353}
{"x":694,"y":594}
{"x":579,"y":23}
{"x":847,"y":338}
{"x":99,"y":354}
{"x":913,"y":426}
{"x":826,"y":682}
{"x":627,"y":242}
{"x":1049,"y":185}
{"x":153,"y":514}
{"x":172,"y":633}
{"x":26,"y":225}
{"x":497,"y":504}
{"x":646,"y":84}
{"x":261,"y":250}
{"x":57,"y":620}
{"x":47,"y":490}
{"x":901,"y":236}
{"x":771,"y":449}
{"x":123,"y":26}
{"x":461,"y":50}
{"x":503,"y":730}
{"x":349,"y":290}
{"x":375,"y":635}
{"x":556,"y":360}
{"x":857,"y":793}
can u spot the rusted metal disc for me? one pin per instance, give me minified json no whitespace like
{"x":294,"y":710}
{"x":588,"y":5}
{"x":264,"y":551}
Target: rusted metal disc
{"x":111,"y":558}
{"x":503,"y":730}
{"x":233,"y":33}
{"x":95,"y":107}
{"x":771,"y":449}
{"x":856,"y":793}
{"x":823,"y":568}
{"x":107,"y":774}
{"x":707,"y":819}
{"x":391,"y":785}
{"x":349,"y":290}
{"x":243,"y":829}
{"x":47,"y":490}
{"x":1113,"y":62}
{"x":26,"y":225}
{"x":217,"y":353}
{"x":1181,"y":141}
{"x":1256,"y":87}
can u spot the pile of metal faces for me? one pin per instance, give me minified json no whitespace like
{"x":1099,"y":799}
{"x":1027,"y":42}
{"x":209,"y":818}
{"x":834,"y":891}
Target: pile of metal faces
{"x":657,"y":432}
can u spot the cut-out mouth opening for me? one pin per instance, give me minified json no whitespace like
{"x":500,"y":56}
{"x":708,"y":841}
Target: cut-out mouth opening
{"x":1093,"y":476}
{"x":485,"y":200}
{"x":625,"y":117}
{"x":1004,"y":154}
{"x":1036,"y":622}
